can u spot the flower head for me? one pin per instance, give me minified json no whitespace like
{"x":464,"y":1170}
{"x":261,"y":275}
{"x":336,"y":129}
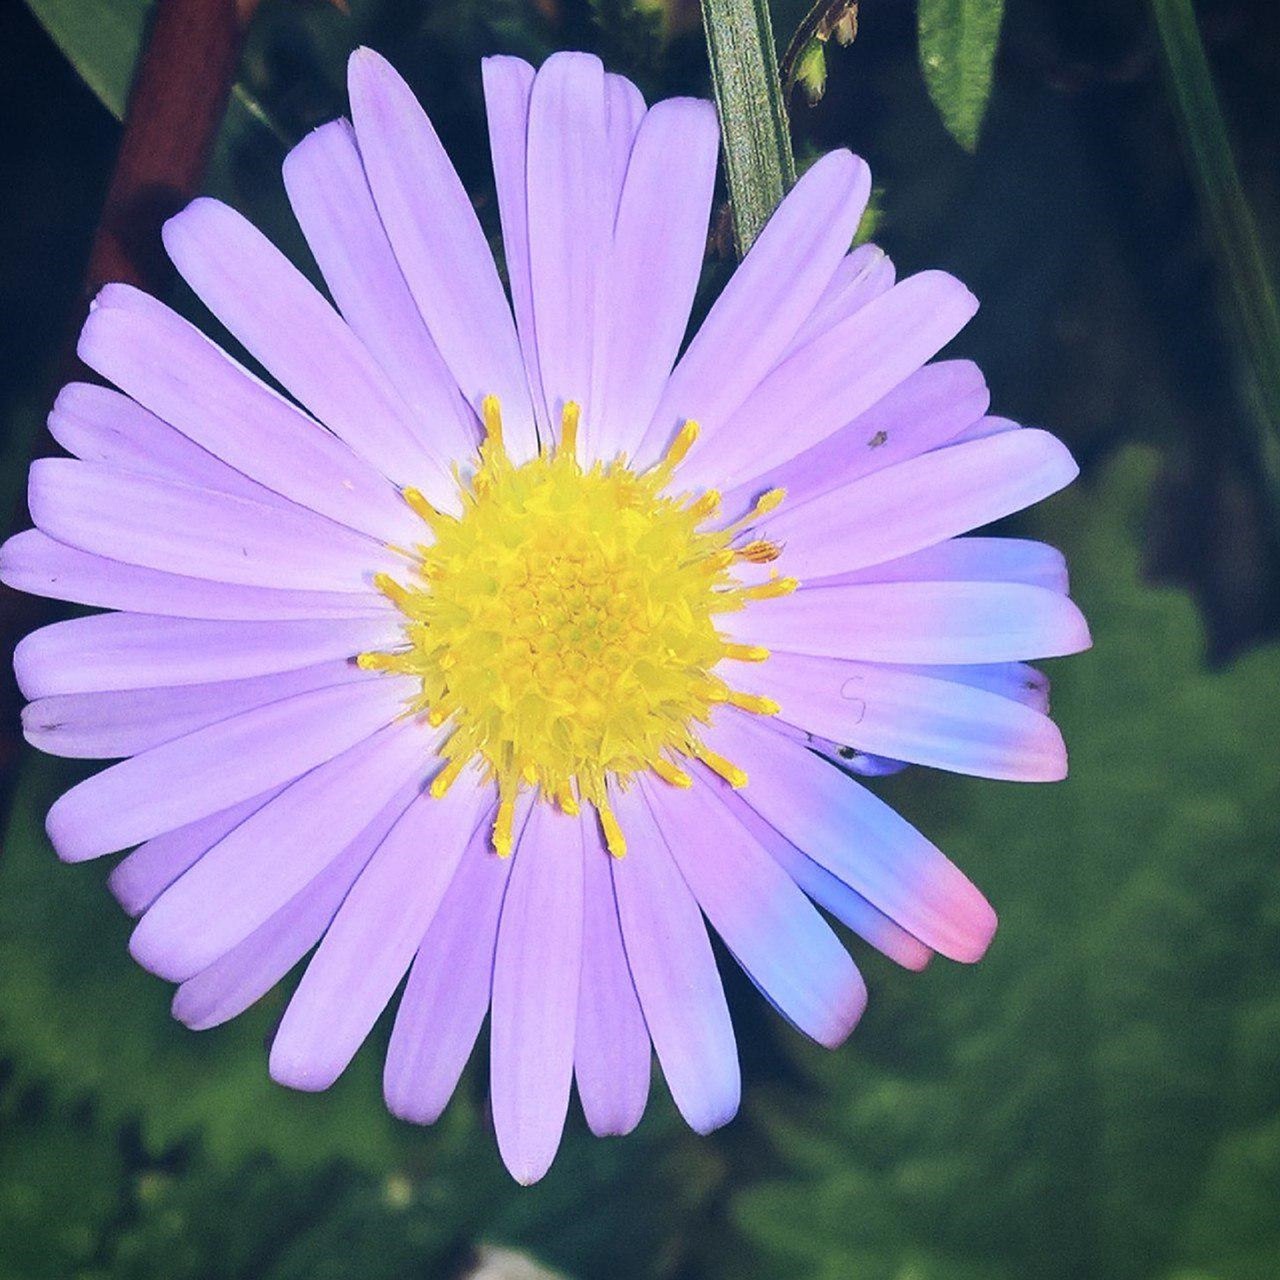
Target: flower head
{"x":511,"y":641}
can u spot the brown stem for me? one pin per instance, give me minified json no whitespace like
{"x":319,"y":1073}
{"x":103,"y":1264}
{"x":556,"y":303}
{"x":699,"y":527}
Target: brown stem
{"x":176,"y":105}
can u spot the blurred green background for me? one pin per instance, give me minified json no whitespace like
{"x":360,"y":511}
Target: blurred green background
{"x":1100,"y":1097}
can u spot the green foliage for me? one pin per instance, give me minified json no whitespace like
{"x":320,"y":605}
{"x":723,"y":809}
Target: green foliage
{"x":758,"y":162}
{"x":958,"y":40}
{"x":101,"y":38}
{"x":1098,"y":1097}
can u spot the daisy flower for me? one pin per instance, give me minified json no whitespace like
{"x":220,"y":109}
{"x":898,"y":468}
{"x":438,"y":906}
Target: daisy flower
{"x":505,"y":645}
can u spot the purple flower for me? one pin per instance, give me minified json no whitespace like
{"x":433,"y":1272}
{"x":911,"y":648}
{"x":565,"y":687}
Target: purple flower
{"x":551,"y":643}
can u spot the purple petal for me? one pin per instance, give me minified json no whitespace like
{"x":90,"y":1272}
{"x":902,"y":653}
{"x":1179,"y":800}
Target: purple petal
{"x":249,"y":284}
{"x":674,"y":972}
{"x":198,"y":533}
{"x":439,"y":244}
{"x":330,"y":196}
{"x":624,"y":112}
{"x":897,"y":713}
{"x":123,"y":722}
{"x":99,"y":424}
{"x":447,"y":994}
{"x":132,"y":651}
{"x":170,"y":367}
{"x":32,"y":561}
{"x":905,"y":622}
{"x":1013,"y":680}
{"x":831,"y":894}
{"x":234,"y":888}
{"x":774,"y":932}
{"x":862,"y":275}
{"x":222,"y":765}
{"x":762,"y":307}
{"x":374,"y":936}
{"x":535,"y":993}
{"x":611,"y":1055}
{"x":251,"y":968}
{"x":139,"y":879}
{"x":970,"y":560}
{"x":984,"y":427}
{"x":920,"y":503}
{"x":508,"y":82}
{"x":836,"y":377}
{"x":858,"y":838}
{"x":570,"y":228}
{"x":922,"y":411}
{"x":659,"y":243}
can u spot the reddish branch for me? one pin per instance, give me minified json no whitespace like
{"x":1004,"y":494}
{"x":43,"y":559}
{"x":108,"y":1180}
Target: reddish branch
{"x":176,"y":105}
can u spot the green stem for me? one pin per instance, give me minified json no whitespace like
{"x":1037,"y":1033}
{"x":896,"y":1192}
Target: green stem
{"x":1251,"y":294}
{"x":753,"y":117}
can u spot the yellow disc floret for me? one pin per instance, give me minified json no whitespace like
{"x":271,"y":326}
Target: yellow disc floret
{"x":564,"y":625}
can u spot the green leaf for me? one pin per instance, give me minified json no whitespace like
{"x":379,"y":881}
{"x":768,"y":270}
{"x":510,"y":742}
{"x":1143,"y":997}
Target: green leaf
{"x":758,"y":160}
{"x":101,"y":38}
{"x":1099,"y":1096}
{"x":958,"y":40}
{"x":1251,"y":291}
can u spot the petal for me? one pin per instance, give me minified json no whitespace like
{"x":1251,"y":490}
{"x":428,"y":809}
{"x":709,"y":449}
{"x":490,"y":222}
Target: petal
{"x":249,"y":284}
{"x":234,"y":889}
{"x":535,"y":993}
{"x":439,"y":244}
{"x":197,"y":533}
{"x":925,"y":409}
{"x":330,"y":196}
{"x":775,"y":934}
{"x":944,"y":622}
{"x":624,"y":112}
{"x":99,"y":424}
{"x":762,"y":307}
{"x":374,"y":936}
{"x":659,"y":242}
{"x":893,"y":712}
{"x":674,"y":972}
{"x":447,"y":994}
{"x":1013,"y":680}
{"x":169,"y":366}
{"x":858,"y":838}
{"x":837,"y":376}
{"x":862,"y":275}
{"x":970,"y":560}
{"x":508,"y":82}
{"x":984,"y":427}
{"x":611,"y":1055}
{"x":251,"y":968}
{"x":831,"y":894}
{"x":34,"y":562}
{"x":220,"y":766}
{"x":570,"y":227}
{"x":123,"y":722}
{"x":919,"y":503}
{"x":134,"y":651}
{"x":139,"y":879}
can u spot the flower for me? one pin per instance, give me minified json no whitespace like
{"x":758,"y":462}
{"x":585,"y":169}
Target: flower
{"x":552,"y":642}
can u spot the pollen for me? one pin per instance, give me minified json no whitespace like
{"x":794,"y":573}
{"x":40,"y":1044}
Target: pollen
{"x":563,"y":625}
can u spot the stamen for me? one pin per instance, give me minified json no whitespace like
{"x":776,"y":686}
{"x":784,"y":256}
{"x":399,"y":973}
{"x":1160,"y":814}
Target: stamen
{"x":447,"y":776}
{"x":746,"y":652}
{"x":669,"y":772}
{"x":419,"y":504}
{"x":769,"y":590}
{"x":491,"y":410}
{"x":400,"y":596}
{"x":569,"y":429}
{"x":567,"y":802}
{"x":729,"y":771}
{"x":753,"y":702}
{"x":761,"y":551}
{"x":502,"y":827}
{"x":614,"y":840}
{"x":678,"y":449}
{"x":401,"y":663}
{"x":706,"y":505}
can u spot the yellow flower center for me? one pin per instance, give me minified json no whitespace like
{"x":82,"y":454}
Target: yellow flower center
{"x":564,"y":624}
